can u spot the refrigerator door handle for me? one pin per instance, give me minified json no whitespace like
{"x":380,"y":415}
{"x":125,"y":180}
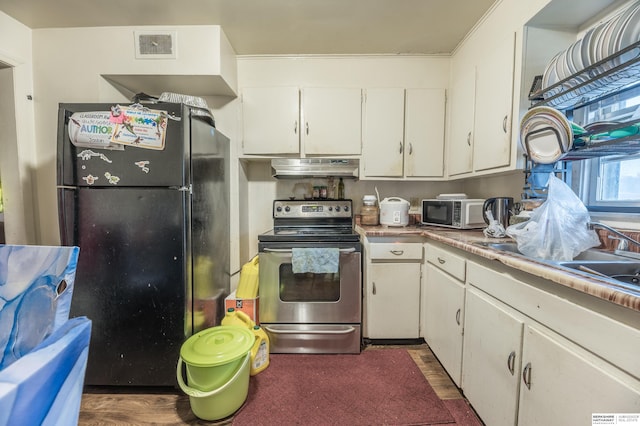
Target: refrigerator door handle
{"x":67,"y":212}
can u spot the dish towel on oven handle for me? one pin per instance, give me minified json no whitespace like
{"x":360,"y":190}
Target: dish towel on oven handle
{"x":315,"y":260}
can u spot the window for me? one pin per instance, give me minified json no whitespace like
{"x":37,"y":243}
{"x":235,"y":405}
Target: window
{"x":609,"y":184}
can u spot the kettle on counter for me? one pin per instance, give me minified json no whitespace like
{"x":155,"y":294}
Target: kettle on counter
{"x":500,"y":207}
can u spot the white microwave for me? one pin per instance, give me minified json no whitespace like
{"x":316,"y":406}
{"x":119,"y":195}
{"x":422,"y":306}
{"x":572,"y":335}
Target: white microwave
{"x":459,"y":214}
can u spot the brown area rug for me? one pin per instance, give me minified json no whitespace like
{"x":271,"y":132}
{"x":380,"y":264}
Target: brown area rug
{"x":376,"y":387}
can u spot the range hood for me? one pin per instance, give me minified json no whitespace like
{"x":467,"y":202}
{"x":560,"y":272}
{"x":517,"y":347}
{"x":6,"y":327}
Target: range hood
{"x":298,"y":168}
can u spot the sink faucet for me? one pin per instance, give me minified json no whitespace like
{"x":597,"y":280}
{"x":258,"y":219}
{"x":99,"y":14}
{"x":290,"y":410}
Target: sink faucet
{"x":624,"y":240}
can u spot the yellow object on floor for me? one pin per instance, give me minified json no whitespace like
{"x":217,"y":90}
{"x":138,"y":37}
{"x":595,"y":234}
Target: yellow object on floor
{"x":260,"y":348}
{"x":233,"y":317}
{"x":248,"y":285}
{"x":260,"y":351}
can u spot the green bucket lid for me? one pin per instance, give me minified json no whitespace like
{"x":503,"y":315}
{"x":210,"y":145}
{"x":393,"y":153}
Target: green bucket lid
{"x":217,"y":346}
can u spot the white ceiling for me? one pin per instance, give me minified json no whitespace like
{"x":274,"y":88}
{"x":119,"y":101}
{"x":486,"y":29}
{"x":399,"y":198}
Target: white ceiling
{"x":279,"y":27}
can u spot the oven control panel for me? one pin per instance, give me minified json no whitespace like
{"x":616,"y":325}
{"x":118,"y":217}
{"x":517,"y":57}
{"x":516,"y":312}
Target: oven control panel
{"x":312,"y":209}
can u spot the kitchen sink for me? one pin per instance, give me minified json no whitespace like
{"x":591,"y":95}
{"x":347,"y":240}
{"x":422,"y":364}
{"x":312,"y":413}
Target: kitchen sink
{"x":587,"y":255}
{"x":621,"y":270}
{"x":624,"y":271}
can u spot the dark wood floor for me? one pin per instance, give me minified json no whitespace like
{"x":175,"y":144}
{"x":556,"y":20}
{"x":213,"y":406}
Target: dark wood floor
{"x":109,"y":406}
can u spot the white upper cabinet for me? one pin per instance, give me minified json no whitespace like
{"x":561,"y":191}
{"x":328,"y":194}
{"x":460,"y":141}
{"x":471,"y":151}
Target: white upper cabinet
{"x":404,"y":133}
{"x":484,"y":74}
{"x":311,"y":121}
{"x":461,"y":115}
{"x":481,"y":108}
{"x":383,"y":125}
{"x":271,"y":120}
{"x":494,"y":102}
{"x":424,"y":132}
{"x":332,"y":120}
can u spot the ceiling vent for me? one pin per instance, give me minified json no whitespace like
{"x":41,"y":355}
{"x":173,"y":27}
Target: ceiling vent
{"x":155,"y":45}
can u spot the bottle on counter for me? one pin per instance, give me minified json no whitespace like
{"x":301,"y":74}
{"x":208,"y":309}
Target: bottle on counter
{"x":340,"y":190}
{"x":369,"y":213}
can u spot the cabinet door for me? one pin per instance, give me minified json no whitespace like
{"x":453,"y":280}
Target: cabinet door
{"x":494,"y":101}
{"x":332,"y":121}
{"x":270,"y":120}
{"x":393,"y":300}
{"x":461,"y":113}
{"x":443,"y":315}
{"x":383,"y":125}
{"x":424,"y":133}
{"x":492,"y":354}
{"x":565,"y":384}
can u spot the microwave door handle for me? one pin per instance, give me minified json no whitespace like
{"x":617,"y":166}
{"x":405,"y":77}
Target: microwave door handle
{"x":346,"y":250}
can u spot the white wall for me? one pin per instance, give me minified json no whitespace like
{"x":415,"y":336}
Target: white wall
{"x":69,"y":64}
{"x":18,"y":151}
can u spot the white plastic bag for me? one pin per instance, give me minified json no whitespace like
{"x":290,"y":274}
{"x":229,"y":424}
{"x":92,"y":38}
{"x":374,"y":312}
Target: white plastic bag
{"x":495,"y":228}
{"x":558,"y":229}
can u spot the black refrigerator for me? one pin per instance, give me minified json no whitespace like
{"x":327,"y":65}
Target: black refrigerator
{"x":143,"y":190}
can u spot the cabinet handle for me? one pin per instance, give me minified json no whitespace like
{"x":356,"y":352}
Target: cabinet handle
{"x":410,"y":149}
{"x":307,"y":127}
{"x":397,"y":252}
{"x":526,"y":375}
{"x":458,"y":316}
{"x":373,"y":289}
{"x":442,"y":261}
{"x":400,"y":147}
{"x":469,"y":138}
{"x":511,"y":362}
{"x":295,"y":127}
{"x":504,"y":123}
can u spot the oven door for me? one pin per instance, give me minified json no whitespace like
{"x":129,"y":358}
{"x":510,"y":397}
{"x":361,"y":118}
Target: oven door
{"x":310,"y":312}
{"x":309,"y":298}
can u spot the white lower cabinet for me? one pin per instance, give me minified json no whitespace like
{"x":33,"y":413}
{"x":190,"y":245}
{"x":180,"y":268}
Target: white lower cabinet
{"x":492,"y":358}
{"x":443,"y":307}
{"x":393,"y":301}
{"x":517,"y":370}
{"x":444,"y":300}
{"x":564,"y":385}
{"x":392,"y":290}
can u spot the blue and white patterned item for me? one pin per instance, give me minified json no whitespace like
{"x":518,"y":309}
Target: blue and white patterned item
{"x":315,"y":260}
{"x":36,"y":286}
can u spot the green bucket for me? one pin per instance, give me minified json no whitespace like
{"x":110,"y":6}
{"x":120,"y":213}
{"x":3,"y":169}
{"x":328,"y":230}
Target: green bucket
{"x":218,"y":365}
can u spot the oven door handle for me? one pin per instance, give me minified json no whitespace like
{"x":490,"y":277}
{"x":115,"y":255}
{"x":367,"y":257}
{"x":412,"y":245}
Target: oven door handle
{"x":266,"y":249}
{"x":275,"y":331}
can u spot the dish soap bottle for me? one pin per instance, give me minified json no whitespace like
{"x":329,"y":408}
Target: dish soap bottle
{"x":341,"y":190}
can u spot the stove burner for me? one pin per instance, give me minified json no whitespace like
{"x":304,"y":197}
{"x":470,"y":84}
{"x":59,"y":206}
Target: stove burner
{"x":315,"y":220}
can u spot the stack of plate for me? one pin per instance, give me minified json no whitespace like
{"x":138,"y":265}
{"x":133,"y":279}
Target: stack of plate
{"x":546,"y":135}
{"x":598,"y":43}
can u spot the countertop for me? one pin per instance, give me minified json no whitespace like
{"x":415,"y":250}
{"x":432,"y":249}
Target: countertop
{"x":465,"y":239}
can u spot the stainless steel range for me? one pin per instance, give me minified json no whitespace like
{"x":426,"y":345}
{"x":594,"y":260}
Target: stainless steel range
{"x":311,"y":279}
